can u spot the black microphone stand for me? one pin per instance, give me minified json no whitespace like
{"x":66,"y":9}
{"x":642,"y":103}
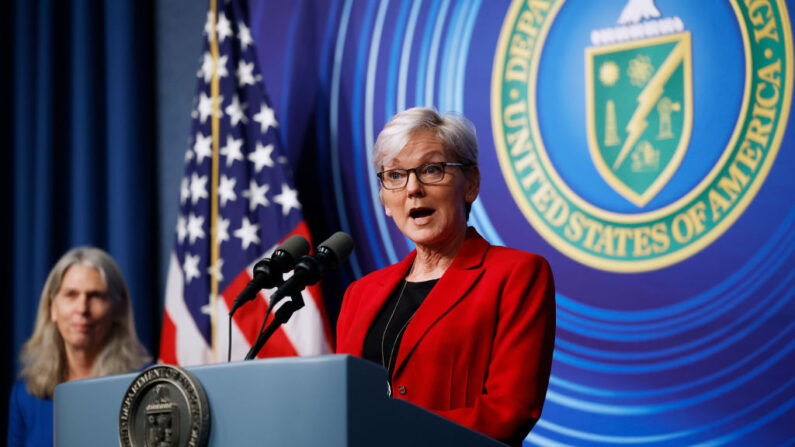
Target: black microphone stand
{"x":281,"y":316}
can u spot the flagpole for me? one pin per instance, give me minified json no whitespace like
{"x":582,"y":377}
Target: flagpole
{"x":216,"y":126}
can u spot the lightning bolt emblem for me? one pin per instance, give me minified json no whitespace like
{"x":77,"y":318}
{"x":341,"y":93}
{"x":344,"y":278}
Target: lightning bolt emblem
{"x":647,"y":99}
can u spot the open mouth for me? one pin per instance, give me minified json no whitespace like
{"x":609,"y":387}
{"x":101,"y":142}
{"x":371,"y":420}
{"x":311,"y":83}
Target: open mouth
{"x":418,"y":213}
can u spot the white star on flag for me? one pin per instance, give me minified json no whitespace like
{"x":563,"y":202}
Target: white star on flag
{"x":206,"y":72}
{"x":222,"y":230}
{"x":226,"y":190}
{"x":215,"y":270}
{"x":247,"y":233}
{"x":232,"y":150}
{"x":222,"y":71}
{"x":182,"y":229}
{"x":203,"y":146}
{"x":236,"y":111}
{"x":244,"y":34}
{"x":288,"y":199}
{"x":261,"y":157}
{"x":256,"y":195}
{"x":224,"y":28}
{"x":205,"y":107}
{"x":195,"y":227}
{"x":266,"y":118}
{"x":184,"y":190}
{"x":198,"y":188}
{"x":245,"y":73}
{"x":191,"y":267}
{"x":208,"y":24}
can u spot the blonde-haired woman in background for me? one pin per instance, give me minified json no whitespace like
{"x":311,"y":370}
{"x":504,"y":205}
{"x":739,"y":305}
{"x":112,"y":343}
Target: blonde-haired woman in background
{"x":84,"y":328}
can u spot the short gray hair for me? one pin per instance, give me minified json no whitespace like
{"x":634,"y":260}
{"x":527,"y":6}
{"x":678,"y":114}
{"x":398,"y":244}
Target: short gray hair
{"x":456,"y":133}
{"x":43,"y":356}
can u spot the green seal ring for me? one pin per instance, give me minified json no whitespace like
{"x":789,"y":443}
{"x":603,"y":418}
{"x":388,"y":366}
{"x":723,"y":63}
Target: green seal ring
{"x":655,"y":239}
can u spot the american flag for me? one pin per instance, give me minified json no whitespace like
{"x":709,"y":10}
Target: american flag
{"x":237,"y":203}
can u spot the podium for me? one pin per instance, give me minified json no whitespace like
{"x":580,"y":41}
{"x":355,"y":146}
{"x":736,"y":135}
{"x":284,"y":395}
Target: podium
{"x":330,"y":400}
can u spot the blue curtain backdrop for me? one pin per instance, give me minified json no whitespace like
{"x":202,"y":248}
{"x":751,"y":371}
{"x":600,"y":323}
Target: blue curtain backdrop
{"x":83,"y":155}
{"x":6,"y":224}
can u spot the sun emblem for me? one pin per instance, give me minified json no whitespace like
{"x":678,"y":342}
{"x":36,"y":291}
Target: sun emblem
{"x":640,"y":70}
{"x":608,"y":73}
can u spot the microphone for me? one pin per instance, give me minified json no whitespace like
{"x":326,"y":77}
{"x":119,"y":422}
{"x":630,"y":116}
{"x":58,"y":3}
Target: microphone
{"x":268,"y":272}
{"x":310,"y":269}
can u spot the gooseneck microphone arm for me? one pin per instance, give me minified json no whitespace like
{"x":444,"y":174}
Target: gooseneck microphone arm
{"x":280,"y":317}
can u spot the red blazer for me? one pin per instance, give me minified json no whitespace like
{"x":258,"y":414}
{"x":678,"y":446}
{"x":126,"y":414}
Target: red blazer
{"x":478,"y":351}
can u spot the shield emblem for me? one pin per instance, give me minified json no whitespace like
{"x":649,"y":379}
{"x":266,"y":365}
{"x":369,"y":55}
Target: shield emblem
{"x":639,"y":112}
{"x":162,"y":420}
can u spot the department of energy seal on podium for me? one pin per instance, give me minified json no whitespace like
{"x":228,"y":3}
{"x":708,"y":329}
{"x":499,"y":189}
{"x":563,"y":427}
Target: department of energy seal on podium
{"x":633,"y":138}
{"x":165,"y":406}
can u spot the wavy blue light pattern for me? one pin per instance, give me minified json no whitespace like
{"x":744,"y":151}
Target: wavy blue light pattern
{"x":336,"y":167}
{"x":369,"y":138}
{"x":430,"y":75}
{"x":784,"y":230}
{"x":406,"y":54}
{"x":707,"y":364}
{"x":621,"y":394}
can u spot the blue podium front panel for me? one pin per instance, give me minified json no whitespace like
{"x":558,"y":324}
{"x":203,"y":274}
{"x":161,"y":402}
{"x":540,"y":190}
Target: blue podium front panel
{"x":326,"y":400}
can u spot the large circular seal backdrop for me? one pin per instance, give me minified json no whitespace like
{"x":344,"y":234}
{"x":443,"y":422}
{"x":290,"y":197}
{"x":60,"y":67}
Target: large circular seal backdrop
{"x":644,"y":147}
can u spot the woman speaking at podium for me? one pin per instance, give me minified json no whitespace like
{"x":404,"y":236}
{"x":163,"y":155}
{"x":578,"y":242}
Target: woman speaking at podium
{"x":464,"y":328}
{"x":84,"y":328}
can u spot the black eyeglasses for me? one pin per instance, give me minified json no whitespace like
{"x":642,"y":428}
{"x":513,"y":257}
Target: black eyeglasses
{"x":426,"y":173}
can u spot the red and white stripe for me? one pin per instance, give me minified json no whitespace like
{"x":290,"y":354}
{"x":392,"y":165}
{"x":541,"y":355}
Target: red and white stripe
{"x":181,"y":342}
